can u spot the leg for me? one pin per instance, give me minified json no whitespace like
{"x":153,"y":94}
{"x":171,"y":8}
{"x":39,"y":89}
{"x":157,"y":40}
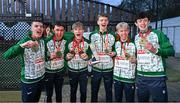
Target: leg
{"x":118,"y":90}
{"x":49,"y":82}
{"x":25,"y":91}
{"x":31,"y":92}
{"x":83,"y":85}
{"x":158,"y":91}
{"x":108,"y":79}
{"x":142,"y":90}
{"x":129,"y":91}
{"x":58,"y":86}
{"x":95,"y":84}
{"x":73,"y":77}
{"x":38,"y":90}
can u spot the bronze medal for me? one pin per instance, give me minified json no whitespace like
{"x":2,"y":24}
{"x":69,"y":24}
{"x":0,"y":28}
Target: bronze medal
{"x":106,"y":51}
{"x":58,"y":54}
{"x":127,"y":56}
{"x":35,"y":48}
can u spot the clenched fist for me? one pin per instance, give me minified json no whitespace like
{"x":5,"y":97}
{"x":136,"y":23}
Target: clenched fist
{"x":83,"y":56}
{"x":29,"y":44}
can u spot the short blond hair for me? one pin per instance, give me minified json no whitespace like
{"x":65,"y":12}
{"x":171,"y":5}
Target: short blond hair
{"x":77,"y":24}
{"x":122,"y":25}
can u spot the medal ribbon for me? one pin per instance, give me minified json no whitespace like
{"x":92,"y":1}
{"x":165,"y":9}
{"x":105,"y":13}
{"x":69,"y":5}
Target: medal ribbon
{"x":58,"y":47}
{"x":77,"y":44}
{"x":106,"y":43}
{"x":41,"y":52}
{"x":123,"y":45}
{"x":146,"y":34}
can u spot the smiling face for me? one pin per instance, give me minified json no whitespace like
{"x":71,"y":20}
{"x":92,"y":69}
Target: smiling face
{"x":37,"y":29}
{"x":142,"y":24}
{"x":123,"y":33}
{"x":59,"y":31}
{"x":103,"y":23}
{"x":78,"y":33}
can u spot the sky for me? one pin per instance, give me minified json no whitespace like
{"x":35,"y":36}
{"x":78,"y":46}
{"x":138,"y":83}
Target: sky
{"x":111,"y":2}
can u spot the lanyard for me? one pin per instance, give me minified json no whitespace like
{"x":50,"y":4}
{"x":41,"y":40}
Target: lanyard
{"x":105,"y":41}
{"x":77,"y":45}
{"x":58,"y":46}
{"x":41,"y":52}
{"x":143,"y":37}
{"x":123,"y":45}
{"x":145,"y":34}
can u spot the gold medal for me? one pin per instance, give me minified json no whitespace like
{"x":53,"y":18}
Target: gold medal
{"x":143,"y":41}
{"x":76,"y":50}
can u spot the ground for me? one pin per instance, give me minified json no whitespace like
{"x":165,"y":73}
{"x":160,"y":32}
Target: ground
{"x":173,"y":83}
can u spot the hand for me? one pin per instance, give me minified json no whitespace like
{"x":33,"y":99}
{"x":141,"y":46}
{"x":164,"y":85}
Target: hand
{"x":69,"y":56}
{"x":53,"y":55}
{"x":111,"y":54}
{"x":71,"y":49}
{"x":90,"y":63}
{"x":48,"y":31}
{"x":29,"y":44}
{"x":83,"y":56}
{"x":132,"y":59}
{"x":150,"y":47}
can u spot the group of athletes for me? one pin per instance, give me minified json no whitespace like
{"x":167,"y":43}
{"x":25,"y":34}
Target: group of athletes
{"x":128,"y":65}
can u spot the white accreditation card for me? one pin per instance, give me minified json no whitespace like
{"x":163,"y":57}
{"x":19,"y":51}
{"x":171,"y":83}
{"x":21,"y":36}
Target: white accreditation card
{"x":104,"y":58}
{"x":57,"y":63}
{"x":116,"y":71}
{"x":123,"y":63}
{"x":143,"y":58}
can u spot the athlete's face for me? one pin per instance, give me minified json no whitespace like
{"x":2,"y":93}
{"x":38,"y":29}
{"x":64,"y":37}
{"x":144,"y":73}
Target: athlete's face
{"x":142,"y":24}
{"x":123,"y":33}
{"x":103,"y":22}
{"x":78,"y":32}
{"x":59,"y":31}
{"x":37,"y":29}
